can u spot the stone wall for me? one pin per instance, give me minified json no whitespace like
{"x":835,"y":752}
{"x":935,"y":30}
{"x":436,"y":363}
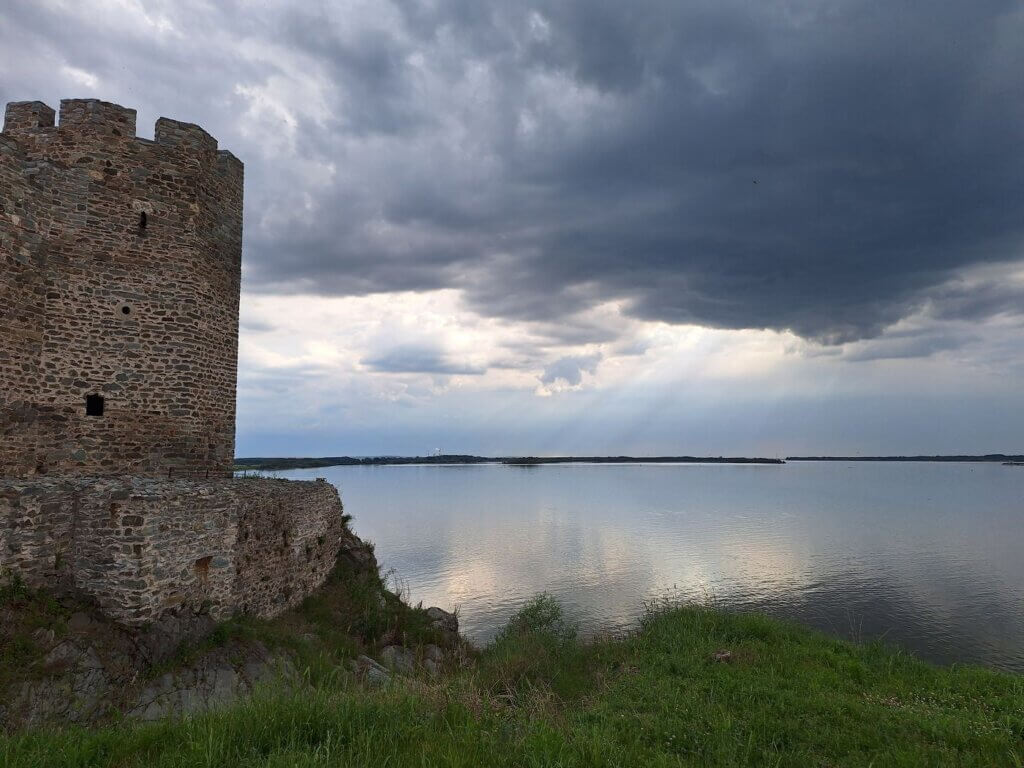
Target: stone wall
{"x":120,"y":263}
{"x":23,"y":289}
{"x":142,"y":547}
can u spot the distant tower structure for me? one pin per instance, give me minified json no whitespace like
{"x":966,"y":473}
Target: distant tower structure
{"x":120,"y":264}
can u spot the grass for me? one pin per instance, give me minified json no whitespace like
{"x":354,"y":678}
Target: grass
{"x":24,"y":612}
{"x":538,"y":696}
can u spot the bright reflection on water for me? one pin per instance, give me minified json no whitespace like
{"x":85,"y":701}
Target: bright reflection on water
{"x":928,"y":556}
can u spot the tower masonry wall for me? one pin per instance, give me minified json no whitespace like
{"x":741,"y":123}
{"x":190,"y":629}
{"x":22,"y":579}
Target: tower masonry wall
{"x":120,"y":264}
{"x":142,"y":547}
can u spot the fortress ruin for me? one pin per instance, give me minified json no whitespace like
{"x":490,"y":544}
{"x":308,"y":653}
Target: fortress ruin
{"x":120,"y":266}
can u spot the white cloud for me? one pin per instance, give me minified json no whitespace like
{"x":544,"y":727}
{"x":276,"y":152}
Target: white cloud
{"x":80,"y":77}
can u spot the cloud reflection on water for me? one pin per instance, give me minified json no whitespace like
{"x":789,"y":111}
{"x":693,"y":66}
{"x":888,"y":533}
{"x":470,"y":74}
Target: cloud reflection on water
{"x":921,"y":555}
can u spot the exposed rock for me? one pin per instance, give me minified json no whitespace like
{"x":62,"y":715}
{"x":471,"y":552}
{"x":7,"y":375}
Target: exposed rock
{"x":722,"y":657}
{"x":433,"y":653}
{"x":44,"y":637}
{"x":92,"y":675}
{"x":78,"y":690}
{"x":62,"y":657}
{"x":213,"y":681}
{"x":443,"y":620}
{"x":79,"y":622}
{"x":449,"y":638}
{"x":357,"y":552}
{"x":169,"y":632}
{"x":370,"y":671}
{"x":400,"y":659}
{"x":90,"y":660}
{"x":432,"y":667}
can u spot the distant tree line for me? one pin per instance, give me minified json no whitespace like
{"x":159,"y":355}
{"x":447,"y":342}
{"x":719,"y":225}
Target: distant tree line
{"x":272,"y":464}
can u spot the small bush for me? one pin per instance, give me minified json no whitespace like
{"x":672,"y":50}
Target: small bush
{"x":536,"y":655}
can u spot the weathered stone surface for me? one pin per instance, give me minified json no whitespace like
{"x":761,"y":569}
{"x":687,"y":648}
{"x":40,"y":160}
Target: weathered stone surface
{"x":442,"y":619}
{"x":193,"y":547}
{"x":214,"y":681}
{"x":369,"y":670}
{"x":398,"y":658}
{"x":44,"y":637}
{"x":86,"y":682}
{"x":79,"y":621}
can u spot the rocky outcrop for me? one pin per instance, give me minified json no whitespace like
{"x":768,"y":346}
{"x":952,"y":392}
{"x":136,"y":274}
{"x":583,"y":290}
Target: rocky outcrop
{"x":217,"y":679}
{"x":84,"y":687}
{"x":98,"y":668}
{"x":89,"y":667}
{"x":400,"y":660}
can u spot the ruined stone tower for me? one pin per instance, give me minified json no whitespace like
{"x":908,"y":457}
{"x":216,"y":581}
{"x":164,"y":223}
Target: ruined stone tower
{"x":120,"y":261}
{"x":119,"y":283}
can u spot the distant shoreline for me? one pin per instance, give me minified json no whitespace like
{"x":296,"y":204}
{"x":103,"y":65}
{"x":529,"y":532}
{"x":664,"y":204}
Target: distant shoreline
{"x":270,"y":464}
{"x":989,"y":457}
{"x":529,"y":460}
{"x":274,"y":464}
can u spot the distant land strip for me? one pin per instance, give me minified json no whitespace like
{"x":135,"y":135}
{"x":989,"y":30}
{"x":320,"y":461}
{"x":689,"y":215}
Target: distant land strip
{"x":988,"y":457}
{"x":273,"y":464}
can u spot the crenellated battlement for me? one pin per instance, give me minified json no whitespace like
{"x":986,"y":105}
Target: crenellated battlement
{"x":91,"y":119}
{"x":174,"y":133}
{"x":228,"y":164}
{"x":98,"y":117}
{"x":21,"y":116}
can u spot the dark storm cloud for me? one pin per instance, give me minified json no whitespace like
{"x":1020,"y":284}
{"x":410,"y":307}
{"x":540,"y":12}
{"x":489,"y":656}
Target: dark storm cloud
{"x":972,"y":300}
{"x":818,"y":167}
{"x":902,"y":346}
{"x":826,"y":167}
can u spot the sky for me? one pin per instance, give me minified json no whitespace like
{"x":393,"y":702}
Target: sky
{"x":709,"y":227}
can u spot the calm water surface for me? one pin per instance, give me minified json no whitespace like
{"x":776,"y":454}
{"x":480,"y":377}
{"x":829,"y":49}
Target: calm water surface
{"x":928,"y":556}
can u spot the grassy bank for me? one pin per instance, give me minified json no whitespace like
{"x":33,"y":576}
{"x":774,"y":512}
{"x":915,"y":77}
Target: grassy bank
{"x":776,"y":695}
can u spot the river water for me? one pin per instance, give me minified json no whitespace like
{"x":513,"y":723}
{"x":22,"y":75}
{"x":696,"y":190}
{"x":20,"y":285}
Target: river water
{"x":927,"y":556}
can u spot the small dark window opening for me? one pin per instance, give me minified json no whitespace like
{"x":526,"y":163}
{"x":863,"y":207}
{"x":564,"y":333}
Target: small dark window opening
{"x":94,"y":405}
{"x":126,"y":310}
{"x":142,"y":220}
{"x":203,"y":568}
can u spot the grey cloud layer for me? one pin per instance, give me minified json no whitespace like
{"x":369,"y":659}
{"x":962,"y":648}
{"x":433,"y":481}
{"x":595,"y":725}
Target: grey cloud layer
{"x":418,"y":359}
{"x":827,"y":167}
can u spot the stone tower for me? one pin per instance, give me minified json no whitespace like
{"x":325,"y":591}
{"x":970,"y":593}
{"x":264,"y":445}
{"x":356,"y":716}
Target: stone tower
{"x":120,"y":263}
